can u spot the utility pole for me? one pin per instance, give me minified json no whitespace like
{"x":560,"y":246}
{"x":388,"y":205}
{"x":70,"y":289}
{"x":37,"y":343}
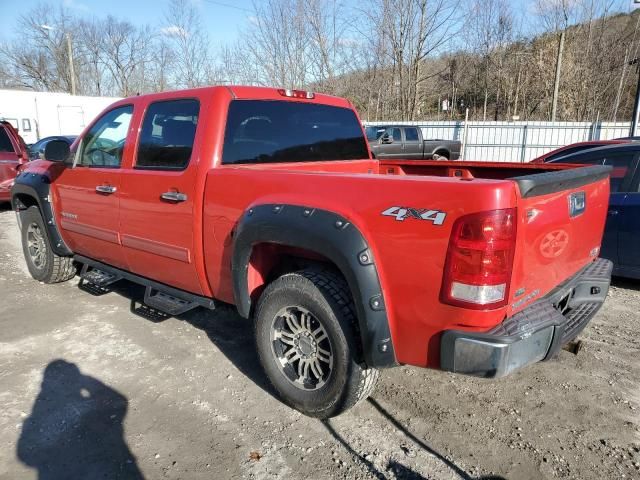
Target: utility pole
{"x":72,"y":71}
{"x":71,"y":68}
{"x":636,"y":103}
{"x":556,"y":85}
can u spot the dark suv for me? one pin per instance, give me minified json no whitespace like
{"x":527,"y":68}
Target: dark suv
{"x":621,"y":242}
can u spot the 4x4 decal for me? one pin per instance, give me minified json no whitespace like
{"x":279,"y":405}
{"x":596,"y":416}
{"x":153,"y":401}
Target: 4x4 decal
{"x":400,"y":213}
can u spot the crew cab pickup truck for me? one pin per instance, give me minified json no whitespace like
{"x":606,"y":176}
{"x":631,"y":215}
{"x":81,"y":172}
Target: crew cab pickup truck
{"x":13,"y":153}
{"x":400,"y":141}
{"x":268,"y":199}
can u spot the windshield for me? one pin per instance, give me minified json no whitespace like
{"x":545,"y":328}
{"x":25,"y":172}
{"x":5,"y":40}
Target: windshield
{"x":265,"y":131}
{"x":5,"y":142}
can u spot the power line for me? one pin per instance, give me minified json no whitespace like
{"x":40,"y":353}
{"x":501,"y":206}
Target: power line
{"x":222,"y":4}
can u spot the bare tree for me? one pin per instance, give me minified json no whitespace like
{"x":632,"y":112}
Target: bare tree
{"x":412,"y":31}
{"x":40,"y":58}
{"x":393,"y":59}
{"x":126,"y":54}
{"x":189,"y":42}
{"x":490,"y":29}
{"x":277,"y":43}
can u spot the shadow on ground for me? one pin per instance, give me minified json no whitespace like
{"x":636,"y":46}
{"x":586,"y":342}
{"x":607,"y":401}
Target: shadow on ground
{"x":400,"y":471}
{"x":233,"y":336}
{"x":225,"y":328}
{"x":75,"y":428}
{"x":628,"y":283}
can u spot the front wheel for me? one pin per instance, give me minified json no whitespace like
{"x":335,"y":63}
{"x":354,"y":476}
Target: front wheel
{"x":43,"y":263}
{"x":307,"y":341}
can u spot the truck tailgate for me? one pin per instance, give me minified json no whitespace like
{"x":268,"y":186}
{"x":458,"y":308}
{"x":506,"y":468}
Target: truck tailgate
{"x":561,"y":218}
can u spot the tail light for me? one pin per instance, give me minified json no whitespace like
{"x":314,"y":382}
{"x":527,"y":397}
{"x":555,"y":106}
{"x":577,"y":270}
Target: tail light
{"x":480,"y":259}
{"x":296,"y":93}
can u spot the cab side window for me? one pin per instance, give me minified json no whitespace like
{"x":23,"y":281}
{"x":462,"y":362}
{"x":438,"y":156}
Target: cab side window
{"x":397,"y":135}
{"x":103,"y":145}
{"x":167,"y":135}
{"x":621,"y":163}
{"x":411,"y":134}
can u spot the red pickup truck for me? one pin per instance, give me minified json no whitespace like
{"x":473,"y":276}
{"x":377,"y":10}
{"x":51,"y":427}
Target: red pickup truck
{"x":269,"y":199}
{"x":13,"y":153}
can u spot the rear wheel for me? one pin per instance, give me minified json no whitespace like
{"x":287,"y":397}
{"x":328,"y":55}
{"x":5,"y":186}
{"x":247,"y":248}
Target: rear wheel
{"x":441,"y":155}
{"x":307,"y":341}
{"x":43,"y":264}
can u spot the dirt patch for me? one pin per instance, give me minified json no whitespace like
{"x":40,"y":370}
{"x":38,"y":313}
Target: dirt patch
{"x":89,"y":389}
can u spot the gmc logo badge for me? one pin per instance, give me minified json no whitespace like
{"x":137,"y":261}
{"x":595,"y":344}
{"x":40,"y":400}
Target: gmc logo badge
{"x":577,"y":204}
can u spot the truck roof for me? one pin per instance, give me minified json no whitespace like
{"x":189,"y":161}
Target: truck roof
{"x":243,"y":92}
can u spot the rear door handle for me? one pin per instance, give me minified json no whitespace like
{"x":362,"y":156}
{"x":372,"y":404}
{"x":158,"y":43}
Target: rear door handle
{"x":108,"y":189}
{"x":174,"y":197}
{"x":613,"y":212}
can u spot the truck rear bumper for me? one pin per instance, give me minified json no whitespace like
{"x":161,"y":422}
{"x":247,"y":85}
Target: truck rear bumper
{"x":534,"y":334}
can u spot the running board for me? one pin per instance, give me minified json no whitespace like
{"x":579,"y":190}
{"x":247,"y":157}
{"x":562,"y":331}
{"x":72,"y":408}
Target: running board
{"x":166,"y":303}
{"x":158,"y":296}
{"x":98,"y":277}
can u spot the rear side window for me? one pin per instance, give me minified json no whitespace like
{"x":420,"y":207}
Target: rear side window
{"x":584,"y":159}
{"x":621,"y":164}
{"x":5,"y":141}
{"x":168,"y":131}
{"x":411,"y":134}
{"x":556,"y":157}
{"x":266,"y":131}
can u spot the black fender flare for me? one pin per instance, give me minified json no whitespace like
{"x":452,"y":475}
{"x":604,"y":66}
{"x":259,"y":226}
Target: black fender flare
{"x":38,"y":187}
{"x":336,"y":239}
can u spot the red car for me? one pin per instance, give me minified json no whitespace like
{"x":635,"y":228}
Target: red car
{"x":13,"y":153}
{"x":554,"y":155}
{"x":268,"y":199}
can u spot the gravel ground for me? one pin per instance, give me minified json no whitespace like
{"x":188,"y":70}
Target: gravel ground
{"x":89,"y":389}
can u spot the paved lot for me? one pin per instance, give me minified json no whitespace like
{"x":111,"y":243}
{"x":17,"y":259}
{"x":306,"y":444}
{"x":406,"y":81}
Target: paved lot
{"x":89,"y":389}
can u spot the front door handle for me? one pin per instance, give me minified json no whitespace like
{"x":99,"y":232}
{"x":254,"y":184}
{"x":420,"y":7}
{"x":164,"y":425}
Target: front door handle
{"x":174,"y":197}
{"x":108,"y":189}
{"x":613,"y":212}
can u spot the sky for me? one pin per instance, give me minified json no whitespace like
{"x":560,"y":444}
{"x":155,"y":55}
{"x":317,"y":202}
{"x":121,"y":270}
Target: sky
{"x":222,"y":18}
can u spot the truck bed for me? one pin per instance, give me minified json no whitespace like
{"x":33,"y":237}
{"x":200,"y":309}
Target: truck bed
{"x":423,"y":168}
{"x":415,"y":249}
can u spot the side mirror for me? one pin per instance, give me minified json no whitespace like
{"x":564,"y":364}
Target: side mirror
{"x":386,"y":139}
{"x":57,"y":151}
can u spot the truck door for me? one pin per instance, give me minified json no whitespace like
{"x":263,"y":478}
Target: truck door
{"x":622,"y":163}
{"x":412,"y":146}
{"x":390,"y":144}
{"x":158,"y":193}
{"x":88,"y":195}
{"x":628,"y":220}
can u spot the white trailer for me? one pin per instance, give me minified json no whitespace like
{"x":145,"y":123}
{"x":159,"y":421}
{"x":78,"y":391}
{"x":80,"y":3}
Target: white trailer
{"x":42,"y":114}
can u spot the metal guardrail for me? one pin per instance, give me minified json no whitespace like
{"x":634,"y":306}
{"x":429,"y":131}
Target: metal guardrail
{"x":516,"y":141}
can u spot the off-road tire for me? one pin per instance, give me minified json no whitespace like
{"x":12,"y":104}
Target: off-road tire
{"x":53,"y":268}
{"x":325,"y":294}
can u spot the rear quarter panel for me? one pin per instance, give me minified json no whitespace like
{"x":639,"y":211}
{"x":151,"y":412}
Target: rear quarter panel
{"x":409,"y":254}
